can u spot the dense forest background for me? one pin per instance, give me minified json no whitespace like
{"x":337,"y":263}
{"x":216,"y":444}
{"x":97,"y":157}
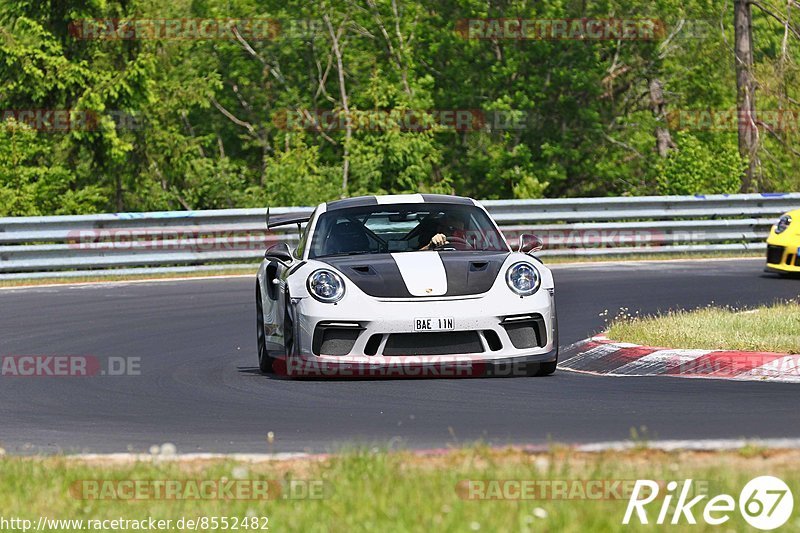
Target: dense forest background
{"x":318,"y":106}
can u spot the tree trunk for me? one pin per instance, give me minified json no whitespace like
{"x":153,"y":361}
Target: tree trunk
{"x":348,"y":128}
{"x":745,"y":94}
{"x":664,"y":141}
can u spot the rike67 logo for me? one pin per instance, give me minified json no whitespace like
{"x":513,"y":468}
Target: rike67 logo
{"x":765,"y":503}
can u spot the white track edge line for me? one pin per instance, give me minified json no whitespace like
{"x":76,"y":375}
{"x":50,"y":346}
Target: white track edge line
{"x":790,"y":443}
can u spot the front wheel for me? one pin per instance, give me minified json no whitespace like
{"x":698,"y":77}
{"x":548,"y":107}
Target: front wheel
{"x":288,"y":329}
{"x":264,"y":359}
{"x":545,"y":369}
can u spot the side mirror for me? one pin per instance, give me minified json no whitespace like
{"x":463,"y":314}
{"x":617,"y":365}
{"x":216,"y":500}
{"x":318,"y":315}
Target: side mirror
{"x":529,"y":243}
{"x":279,"y":252}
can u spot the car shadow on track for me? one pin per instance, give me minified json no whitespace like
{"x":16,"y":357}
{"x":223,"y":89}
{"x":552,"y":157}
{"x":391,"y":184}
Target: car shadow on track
{"x":781,"y":276}
{"x":256,"y":372}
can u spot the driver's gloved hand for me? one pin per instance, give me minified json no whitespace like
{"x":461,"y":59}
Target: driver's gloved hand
{"x":438,"y":240}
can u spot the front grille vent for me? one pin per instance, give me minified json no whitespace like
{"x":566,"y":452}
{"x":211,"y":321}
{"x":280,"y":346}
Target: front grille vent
{"x":440,"y":343}
{"x":774,"y":254}
{"x":526,"y":331}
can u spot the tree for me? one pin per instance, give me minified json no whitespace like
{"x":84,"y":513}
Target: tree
{"x":746,"y":93}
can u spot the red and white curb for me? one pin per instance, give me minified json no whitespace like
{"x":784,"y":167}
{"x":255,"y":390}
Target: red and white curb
{"x":601,"y":356}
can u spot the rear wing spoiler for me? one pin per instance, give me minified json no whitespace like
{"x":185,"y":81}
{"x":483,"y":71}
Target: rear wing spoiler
{"x":287,"y":219}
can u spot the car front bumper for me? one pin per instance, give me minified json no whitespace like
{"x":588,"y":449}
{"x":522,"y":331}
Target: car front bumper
{"x":783,"y":253}
{"x":495,"y":327}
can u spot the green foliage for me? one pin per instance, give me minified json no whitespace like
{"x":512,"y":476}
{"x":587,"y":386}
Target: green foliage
{"x":295,"y":176}
{"x":31,"y":185}
{"x":194,"y":124}
{"x":375,"y":489}
{"x":698,"y":167}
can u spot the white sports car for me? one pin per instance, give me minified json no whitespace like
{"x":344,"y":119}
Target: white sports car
{"x":407,"y":286}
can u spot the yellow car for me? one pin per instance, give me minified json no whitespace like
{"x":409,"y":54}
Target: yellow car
{"x":783,"y":245}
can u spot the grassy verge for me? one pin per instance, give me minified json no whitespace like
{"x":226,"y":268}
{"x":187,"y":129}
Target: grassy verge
{"x":378,"y":491}
{"x":653,"y":257}
{"x":251,"y":270}
{"x":65,"y":280}
{"x":774,"y":328}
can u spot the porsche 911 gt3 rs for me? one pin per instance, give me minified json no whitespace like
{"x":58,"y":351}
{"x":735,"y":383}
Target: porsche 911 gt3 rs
{"x":783,"y":245}
{"x":418,"y":281}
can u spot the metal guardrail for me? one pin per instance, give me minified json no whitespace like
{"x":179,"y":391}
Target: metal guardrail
{"x":235,"y":238}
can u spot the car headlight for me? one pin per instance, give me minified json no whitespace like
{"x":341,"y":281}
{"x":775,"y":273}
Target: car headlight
{"x":326,"y":286}
{"x":782,"y":224}
{"x":523,"y":279}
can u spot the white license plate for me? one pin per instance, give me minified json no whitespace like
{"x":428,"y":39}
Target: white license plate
{"x":434,"y":324}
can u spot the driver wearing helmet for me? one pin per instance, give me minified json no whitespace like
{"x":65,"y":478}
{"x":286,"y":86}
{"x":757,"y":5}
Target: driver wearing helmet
{"x":449,"y":225}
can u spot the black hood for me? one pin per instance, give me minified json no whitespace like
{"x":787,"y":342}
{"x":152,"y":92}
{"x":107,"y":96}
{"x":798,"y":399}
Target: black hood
{"x":378,"y":274}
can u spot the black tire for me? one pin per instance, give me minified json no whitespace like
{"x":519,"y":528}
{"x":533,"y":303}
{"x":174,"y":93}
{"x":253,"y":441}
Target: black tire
{"x":264,"y":359}
{"x":288,"y":330}
{"x":545,"y":369}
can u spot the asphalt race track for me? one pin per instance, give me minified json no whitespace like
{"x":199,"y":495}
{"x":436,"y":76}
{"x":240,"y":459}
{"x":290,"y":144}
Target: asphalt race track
{"x":199,"y":387}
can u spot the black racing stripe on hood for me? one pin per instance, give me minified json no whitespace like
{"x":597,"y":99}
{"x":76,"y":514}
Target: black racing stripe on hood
{"x":471,"y":272}
{"x":377,"y":275}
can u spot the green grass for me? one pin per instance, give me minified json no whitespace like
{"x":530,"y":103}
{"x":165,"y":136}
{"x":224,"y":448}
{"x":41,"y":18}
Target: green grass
{"x":379,"y":491}
{"x":774,"y":328}
{"x":65,"y":280}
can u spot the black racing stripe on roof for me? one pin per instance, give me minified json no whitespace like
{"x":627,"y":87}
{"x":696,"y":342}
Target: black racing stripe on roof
{"x":446,"y":199}
{"x":359,"y":201}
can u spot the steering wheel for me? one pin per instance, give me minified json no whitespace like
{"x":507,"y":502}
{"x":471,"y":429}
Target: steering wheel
{"x":451,"y":240}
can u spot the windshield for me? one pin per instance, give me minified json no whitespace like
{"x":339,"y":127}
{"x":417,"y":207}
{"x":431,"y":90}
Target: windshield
{"x":403,"y":228}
